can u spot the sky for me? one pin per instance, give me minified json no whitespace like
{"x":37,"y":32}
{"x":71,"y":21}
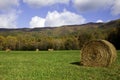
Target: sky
{"x":55,"y":13}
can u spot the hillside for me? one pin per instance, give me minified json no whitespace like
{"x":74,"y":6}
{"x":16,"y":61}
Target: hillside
{"x":64,"y":37}
{"x":64,"y":30}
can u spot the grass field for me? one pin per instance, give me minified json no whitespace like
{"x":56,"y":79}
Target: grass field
{"x":56,"y":65}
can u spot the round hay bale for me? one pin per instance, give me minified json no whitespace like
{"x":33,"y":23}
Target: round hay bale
{"x":8,"y":50}
{"x":98,"y":53}
{"x":50,"y":50}
{"x":37,"y":50}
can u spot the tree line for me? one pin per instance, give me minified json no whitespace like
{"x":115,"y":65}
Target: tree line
{"x":32,"y":43}
{"x":71,"y":42}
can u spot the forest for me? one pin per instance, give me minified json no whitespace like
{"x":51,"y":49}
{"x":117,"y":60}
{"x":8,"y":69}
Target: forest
{"x":69,"y":37}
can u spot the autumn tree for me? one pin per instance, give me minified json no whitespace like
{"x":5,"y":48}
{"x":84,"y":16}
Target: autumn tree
{"x":11,"y":42}
{"x":83,"y":38}
{"x":71,"y":44}
{"x":2,"y":42}
{"x":114,"y":37}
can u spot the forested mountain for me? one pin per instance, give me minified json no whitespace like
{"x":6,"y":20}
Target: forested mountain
{"x":64,"y":37}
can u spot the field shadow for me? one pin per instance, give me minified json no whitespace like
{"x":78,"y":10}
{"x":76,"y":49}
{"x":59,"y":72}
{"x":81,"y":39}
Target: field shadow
{"x":77,"y":63}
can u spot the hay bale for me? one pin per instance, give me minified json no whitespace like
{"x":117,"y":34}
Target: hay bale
{"x":50,"y":50}
{"x":8,"y":50}
{"x":98,"y":53}
{"x":37,"y":50}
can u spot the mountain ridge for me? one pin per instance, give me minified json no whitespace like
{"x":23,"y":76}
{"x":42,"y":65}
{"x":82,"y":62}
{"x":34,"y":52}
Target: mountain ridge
{"x":90,"y":24}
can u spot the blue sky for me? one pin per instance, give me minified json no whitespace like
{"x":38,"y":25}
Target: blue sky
{"x":51,"y":13}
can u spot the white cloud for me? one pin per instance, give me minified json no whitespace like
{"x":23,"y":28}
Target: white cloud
{"x":41,"y":3}
{"x":64,"y":18}
{"x":8,"y":20}
{"x":37,"y":22}
{"x":9,"y":13}
{"x":54,"y":19}
{"x":89,"y":5}
{"x":99,"y":21}
{"x":8,"y":4}
{"x":86,"y":5}
{"x":116,"y":7}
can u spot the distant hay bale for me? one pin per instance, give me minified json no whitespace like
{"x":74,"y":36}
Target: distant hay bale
{"x":50,"y":49}
{"x":37,"y":50}
{"x":98,"y":53}
{"x":8,"y":50}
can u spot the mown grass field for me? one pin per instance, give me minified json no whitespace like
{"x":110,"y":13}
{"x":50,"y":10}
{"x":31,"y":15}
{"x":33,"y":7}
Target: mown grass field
{"x":56,"y":65}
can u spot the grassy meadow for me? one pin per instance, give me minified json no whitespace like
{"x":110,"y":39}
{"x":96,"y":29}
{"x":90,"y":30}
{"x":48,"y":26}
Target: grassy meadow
{"x":56,"y":65}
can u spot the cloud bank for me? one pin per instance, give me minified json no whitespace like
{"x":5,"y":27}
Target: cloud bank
{"x":8,"y":4}
{"x":86,"y":5}
{"x":91,"y":5}
{"x":64,"y":18}
{"x":43,"y":3}
{"x":37,"y":22}
{"x":8,"y":13}
{"x":54,"y":19}
{"x":116,"y":7}
{"x":99,"y":21}
{"x":8,"y":20}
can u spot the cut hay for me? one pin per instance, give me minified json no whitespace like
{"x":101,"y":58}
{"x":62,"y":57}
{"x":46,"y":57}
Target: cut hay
{"x":8,"y":50}
{"x":37,"y":50}
{"x":50,"y":50}
{"x":98,"y":53}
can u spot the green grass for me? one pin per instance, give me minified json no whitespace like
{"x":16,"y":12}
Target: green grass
{"x":56,"y":65}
